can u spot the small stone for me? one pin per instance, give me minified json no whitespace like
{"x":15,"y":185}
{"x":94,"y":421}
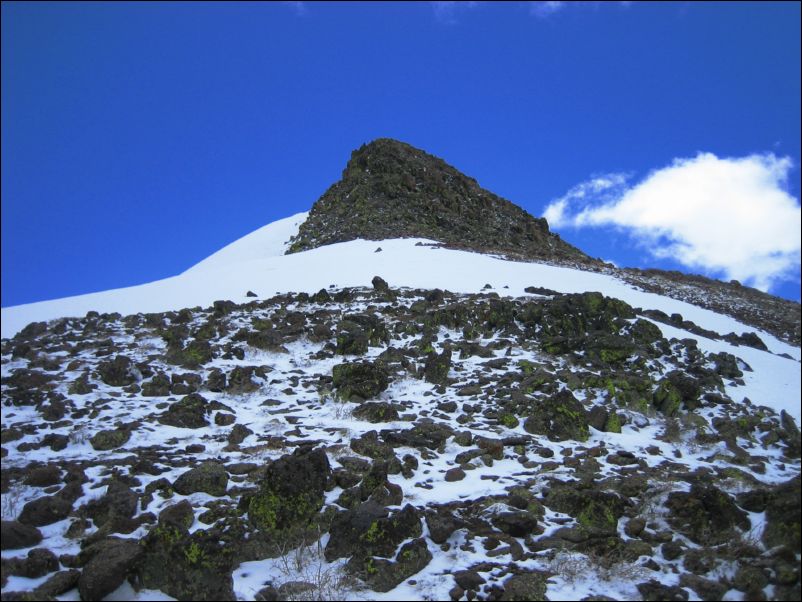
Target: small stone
{"x":455,"y":474}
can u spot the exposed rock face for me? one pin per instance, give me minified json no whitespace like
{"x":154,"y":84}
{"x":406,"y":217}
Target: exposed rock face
{"x":390,"y":189}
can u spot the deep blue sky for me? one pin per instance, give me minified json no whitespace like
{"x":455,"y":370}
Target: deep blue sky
{"x":139,"y":138}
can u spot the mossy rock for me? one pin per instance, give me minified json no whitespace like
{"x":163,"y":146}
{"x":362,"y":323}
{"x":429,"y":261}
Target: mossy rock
{"x":376,"y":412}
{"x":110,"y":439}
{"x":190,"y":412}
{"x":119,"y":372}
{"x":437,"y":366}
{"x":188,"y":567}
{"x":782,"y":516}
{"x":291,"y":493}
{"x":210,"y":477}
{"x":559,"y":417}
{"x":359,"y":381}
{"x":596,"y":512}
{"x":706,"y":515}
{"x":382,"y":575}
{"x":525,"y":587}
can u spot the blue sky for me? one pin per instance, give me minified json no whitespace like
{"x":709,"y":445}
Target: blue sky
{"x":139,"y":138}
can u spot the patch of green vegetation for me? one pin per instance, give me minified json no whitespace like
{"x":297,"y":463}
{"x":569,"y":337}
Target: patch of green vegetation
{"x":194,"y":554}
{"x":509,"y":420}
{"x":374,"y":533}
{"x":263,"y":510}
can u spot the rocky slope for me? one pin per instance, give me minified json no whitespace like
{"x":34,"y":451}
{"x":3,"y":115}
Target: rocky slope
{"x":390,"y":189}
{"x":432,"y":438}
{"x":385,"y":443}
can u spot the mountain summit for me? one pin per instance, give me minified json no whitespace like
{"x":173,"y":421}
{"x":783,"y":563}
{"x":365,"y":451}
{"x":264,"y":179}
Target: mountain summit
{"x":390,"y":189}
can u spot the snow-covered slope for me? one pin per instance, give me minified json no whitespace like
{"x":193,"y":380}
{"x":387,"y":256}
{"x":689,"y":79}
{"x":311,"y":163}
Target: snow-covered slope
{"x":256,"y":263}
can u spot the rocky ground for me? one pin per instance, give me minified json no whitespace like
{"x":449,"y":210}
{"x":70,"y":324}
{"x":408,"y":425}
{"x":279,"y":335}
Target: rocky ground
{"x":392,"y":444}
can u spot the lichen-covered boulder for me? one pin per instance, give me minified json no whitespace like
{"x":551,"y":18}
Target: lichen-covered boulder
{"x":705,"y":514}
{"x":118,"y":372}
{"x":291,"y":492}
{"x":559,"y":417}
{"x":782,"y":516}
{"x":436,"y":368}
{"x":110,"y":439}
{"x":373,"y":411}
{"x":360,"y":380}
{"x":190,"y":412}
{"x":596,"y":512}
{"x":210,"y":477}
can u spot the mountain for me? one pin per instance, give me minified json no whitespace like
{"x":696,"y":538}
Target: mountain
{"x":390,"y":189}
{"x":410,"y":417}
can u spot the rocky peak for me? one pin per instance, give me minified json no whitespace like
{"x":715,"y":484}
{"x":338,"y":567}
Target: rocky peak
{"x":390,"y":189}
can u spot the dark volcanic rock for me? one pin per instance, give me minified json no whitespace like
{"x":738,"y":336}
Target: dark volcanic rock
{"x":706,"y":515}
{"x":291,"y":492}
{"x":360,"y":380}
{"x":15,"y":535}
{"x":390,"y":189}
{"x":558,"y":417}
{"x":210,"y":477}
{"x":112,"y":560}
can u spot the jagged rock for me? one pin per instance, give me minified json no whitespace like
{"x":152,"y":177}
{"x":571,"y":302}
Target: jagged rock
{"x":291,"y":492}
{"x":401,"y":191}
{"x":118,"y":372}
{"x":210,"y":477}
{"x":111,"y":562}
{"x":190,"y":412}
{"x":706,"y":515}
{"x":360,"y":381}
{"x":559,"y":417}
{"x":368,"y":531}
{"x":119,"y":502}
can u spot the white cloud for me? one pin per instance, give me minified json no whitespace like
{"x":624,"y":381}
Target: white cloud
{"x":545,"y":9}
{"x":731,"y":217}
{"x":299,"y":7}
{"x":446,"y":12}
